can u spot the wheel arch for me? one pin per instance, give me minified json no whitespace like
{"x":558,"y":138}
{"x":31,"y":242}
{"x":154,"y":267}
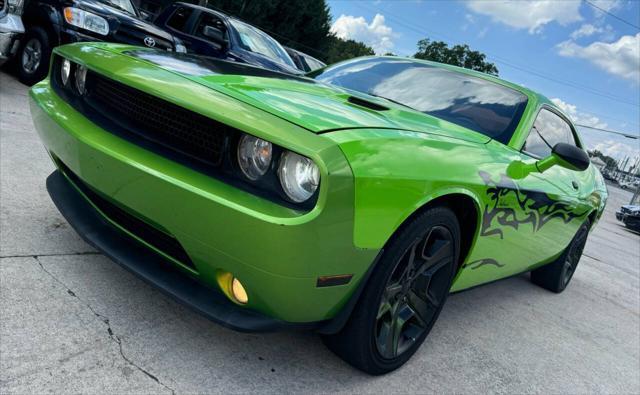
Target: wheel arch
{"x":46,"y":17}
{"x":466,"y":207}
{"x":464,"y":204}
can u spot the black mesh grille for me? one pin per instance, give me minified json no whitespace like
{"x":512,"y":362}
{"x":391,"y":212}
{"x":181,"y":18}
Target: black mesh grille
{"x":158,"y":120}
{"x":160,"y":240}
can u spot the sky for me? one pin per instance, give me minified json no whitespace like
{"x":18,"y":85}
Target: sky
{"x":585,"y":60}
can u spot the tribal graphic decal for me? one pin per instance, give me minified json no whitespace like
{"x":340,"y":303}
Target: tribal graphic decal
{"x":482,"y":262}
{"x":512,"y":207}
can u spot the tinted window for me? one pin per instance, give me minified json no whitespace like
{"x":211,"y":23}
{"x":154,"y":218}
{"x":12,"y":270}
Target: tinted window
{"x":313,"y":63}
{"x":179,"y":19}
{"x":211,"y":21}
{"x":472,"y":102}
{"x":548,"y":130}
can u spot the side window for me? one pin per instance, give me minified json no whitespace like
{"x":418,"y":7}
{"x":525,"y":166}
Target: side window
{"x":548,"y":130}
{"x":211,"y":21}
{"x":180,"y":18}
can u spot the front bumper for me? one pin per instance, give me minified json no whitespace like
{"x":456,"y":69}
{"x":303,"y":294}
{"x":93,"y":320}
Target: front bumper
{"x":276,"y":253}
{"x":152,"y":267}
{"x":11,"y":29}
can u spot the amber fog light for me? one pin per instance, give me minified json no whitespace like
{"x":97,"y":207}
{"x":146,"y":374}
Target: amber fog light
{"x":239,"y":292}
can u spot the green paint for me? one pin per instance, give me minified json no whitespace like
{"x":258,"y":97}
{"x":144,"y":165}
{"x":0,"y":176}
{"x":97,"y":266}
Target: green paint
{"x":376,"y":171}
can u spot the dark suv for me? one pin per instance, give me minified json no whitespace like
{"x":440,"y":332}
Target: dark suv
{"x":49,"y":23}
{"x":211,"y":33}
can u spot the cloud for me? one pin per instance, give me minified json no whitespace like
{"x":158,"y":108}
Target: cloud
{"x":606,"y":5}
{"x":530,"y":15}
{"x":586,"y":30}
{"x":615,"y":146}
{"x":579,"y":117}
{"x":621,"y":58}
{"x":617,"y":149}
{"x":375,"y":34}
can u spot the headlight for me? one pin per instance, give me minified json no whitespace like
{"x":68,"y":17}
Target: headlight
{"x":86,"y":20}
{"x":81,"y":78}
{"x":65,"y":71}
{"x":299,"y":176}
{"x":181,"y":48}
{"x":254,"y":156}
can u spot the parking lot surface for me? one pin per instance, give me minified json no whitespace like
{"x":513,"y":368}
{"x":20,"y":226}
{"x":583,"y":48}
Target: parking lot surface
{"x":73,"y":321}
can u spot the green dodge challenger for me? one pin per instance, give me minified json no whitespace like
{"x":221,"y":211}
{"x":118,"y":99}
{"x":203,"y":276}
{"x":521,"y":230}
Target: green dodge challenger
{"x":350,"y":201}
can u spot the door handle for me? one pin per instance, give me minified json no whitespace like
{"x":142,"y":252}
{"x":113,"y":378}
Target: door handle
{"x":574,"y":185}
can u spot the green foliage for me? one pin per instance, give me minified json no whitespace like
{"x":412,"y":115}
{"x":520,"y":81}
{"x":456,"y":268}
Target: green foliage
{"x":458,"y":55}
{"x":301,"y":24}
{"x":611,"y":164}
{"x":340,"y":49}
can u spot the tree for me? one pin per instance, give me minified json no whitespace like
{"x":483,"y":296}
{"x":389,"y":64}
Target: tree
{"x":458,"y":55}
{"x":610,"y":163}
{"x":301,"y":24}
{"x":340,"y":49}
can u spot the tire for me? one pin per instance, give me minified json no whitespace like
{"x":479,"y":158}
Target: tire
{"x":556,"y":275}
{"x":32,"y":59}
{"x":410,"y":296}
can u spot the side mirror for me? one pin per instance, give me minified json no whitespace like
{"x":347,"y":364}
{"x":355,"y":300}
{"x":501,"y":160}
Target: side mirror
{"x":566,"y":155}
{"x":216,"y":35}
{"x":563,"y":154}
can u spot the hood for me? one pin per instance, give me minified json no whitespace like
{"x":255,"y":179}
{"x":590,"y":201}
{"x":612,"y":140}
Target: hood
{"x":119,"y":19}
{"x":315,"y":106}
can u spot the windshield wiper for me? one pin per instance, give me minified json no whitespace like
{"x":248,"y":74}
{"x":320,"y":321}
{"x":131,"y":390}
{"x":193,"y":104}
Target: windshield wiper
{"x":391,"y":100}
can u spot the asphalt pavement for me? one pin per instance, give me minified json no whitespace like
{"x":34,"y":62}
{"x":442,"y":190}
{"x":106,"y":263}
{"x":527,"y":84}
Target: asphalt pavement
{"x":72,"y":321}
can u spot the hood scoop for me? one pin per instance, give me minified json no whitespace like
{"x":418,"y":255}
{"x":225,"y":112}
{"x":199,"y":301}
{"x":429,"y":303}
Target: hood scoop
{"x":366,"y":103}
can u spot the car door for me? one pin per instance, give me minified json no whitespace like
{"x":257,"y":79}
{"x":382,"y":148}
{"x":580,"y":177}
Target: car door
{"x":179,"y":24}
{"x":555,"y":199}
{"x":188,"y":24}
{"x":200,"y":43}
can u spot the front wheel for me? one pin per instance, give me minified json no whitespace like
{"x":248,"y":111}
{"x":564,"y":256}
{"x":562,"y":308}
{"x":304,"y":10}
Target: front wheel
{"x":33,"y":57}
{"x":556,"y":275}
{"x":404,"y":295}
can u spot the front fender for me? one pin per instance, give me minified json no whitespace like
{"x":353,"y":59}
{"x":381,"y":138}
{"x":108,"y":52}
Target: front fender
{"x":398,"y":172}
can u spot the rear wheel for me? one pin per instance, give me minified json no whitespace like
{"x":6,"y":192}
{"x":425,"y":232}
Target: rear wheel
{"x":556,"y":275}
{"x":33,"y":56}
{"x":404,"y":295}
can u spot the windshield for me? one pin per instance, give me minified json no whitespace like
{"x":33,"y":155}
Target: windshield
{"x":256,"y":41}
{"x":313,"y":63}
{"x":475,"y":103}
{"x":124,"y":5}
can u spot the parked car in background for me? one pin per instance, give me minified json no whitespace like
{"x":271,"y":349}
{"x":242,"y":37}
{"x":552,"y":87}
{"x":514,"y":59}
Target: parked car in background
{"x":11,"y":28}
{"x":627,"y":185}
{"x":629,"y":214}
{"x":53,"y":22}
{"x":212,"y":33}
{"x":303,"y":61}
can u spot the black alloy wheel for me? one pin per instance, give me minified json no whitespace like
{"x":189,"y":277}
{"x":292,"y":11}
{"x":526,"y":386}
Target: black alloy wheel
{"x":414,"y":292}
{"x":404,"y":295}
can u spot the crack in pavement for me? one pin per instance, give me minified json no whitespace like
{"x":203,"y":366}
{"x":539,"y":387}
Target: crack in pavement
{"x":104,"y":320}
{"x":47,"y":255}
